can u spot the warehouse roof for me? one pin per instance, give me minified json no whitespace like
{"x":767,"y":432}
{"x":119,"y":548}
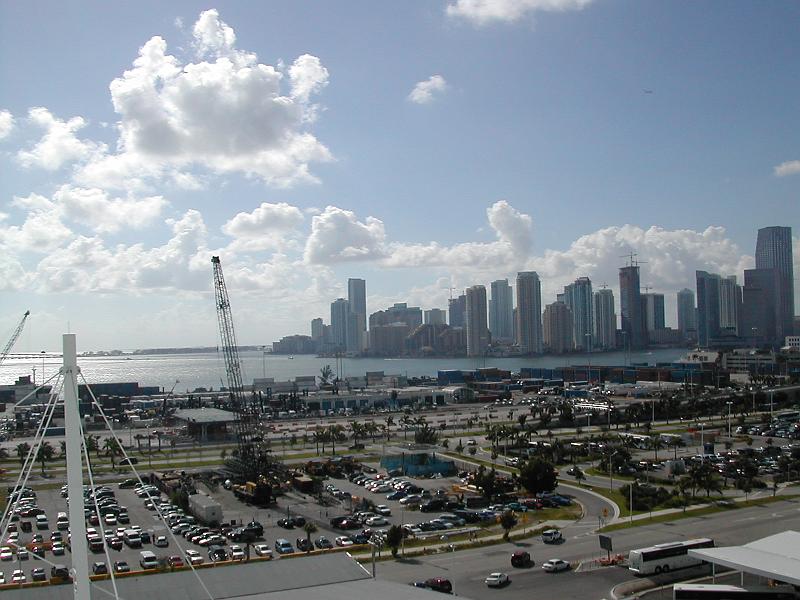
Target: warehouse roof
{"x":205,"y":415}
{"x":775,"y":557}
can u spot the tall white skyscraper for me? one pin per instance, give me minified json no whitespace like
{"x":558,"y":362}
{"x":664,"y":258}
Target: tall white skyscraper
{"x":605,"y":320}
{"x":529,"y":312}
{"x":501,"y":311}
{"x":730,"y":301}
{"x":340,"y":316}
{"x":477,"y":330}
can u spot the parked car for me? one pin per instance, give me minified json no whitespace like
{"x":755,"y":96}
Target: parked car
{"x":303,"y":544}
{"x":120,"y":566}
{"x":323,"y":543}
{"x":552,"y":536}
{"x":283,"y":546}
{"x":438,"y":584}
{"x":262,"y":550}
{"x":100,"y":568}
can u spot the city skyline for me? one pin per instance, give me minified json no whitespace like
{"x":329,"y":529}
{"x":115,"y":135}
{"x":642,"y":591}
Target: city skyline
{"x":498,"y":146}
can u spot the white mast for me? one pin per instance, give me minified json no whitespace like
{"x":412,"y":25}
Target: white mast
{"x":72,"y":426}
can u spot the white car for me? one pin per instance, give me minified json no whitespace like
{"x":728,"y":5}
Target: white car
{"x":384,"y":510}
{"x":18,"y":576}
{"x":237,"y":553}
{"x":376,"y":521}
{"x":2,"y":578}
{"x":194,"y":558}
{"x":58,"y":549}
{"x":263,"y":550}
{"x":497,"y":580}
{"x":343,"y":540}
{"x":552,"y":536}
{"x":6,"y":553}
{"x":554,"y":565}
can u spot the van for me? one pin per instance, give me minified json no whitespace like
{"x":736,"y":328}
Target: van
{"x":132,"y":538}
{"x":147,"y":560}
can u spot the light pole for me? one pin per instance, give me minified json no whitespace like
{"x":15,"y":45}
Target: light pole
{"x":702,"y":439}
{"x":630,"y":500}
{"x":729,"y":417}
{"x":610,"y":477}
{"x":589,"y":352}
{"x":625,"y":346}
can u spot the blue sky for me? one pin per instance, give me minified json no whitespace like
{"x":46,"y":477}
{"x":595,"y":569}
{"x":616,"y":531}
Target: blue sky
{"x":288,"y":138}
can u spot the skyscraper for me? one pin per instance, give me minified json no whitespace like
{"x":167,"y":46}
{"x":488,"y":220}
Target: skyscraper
{"x":774,"y":251}
{"x":687,"y":323}
{"x":730,"y":301}
{"x":340,"y":311}
{"x":317,"y":329}
{"x":605,"y":319}
{"x":501,"y":311}
{"x":653,"y":307}
{"x":707,"y":307}
{"x":457,"y":307}
{"x":477,"y":330}
{"x":529,"y":312}
{"x":434,"y":316}
{"x":757,"y":320}
{"x":557,"y":328}
{"x":357,"y":297}
{"x":578,"y":298}
{"x":631,"y":308}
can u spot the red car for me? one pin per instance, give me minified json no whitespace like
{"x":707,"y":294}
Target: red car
{"x":175,"y":561}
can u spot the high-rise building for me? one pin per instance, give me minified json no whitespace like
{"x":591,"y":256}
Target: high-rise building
{"x":529,"y":312}
{"x":605,"y":319}
{"x":653,"y":309}
{"x":357,"y":297}
{"x":400,"y":312}
{"x":757,"y":321}
{"x":340,"y":316}
{"x":317,"y":329}
{"x":457,"y":307}
{"x":774,"y":251}
{"x":707,"y":307}
{"x":434,"y":316}
{"x":687,"y":312}
{"x":578,"y":298}
{"x":557,"y":320}
{"x":631,"y":308}
{"x":730,"y":301}
{"x":477,"y":328}
{"x":501,"y":311}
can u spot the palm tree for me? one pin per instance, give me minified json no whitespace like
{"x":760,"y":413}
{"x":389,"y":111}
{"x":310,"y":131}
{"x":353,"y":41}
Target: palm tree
{"x":325,"y":374}
{"x":310,"y":528}
{"x":336,"y":434}
{"x":507,"y":522}
{"x":90,"y":442}
{"x":111,"y":447}
{"x":655,"y":443}
{"x":44,"y":453}
{"x":22,"y":451}
{"x":63,"y":449}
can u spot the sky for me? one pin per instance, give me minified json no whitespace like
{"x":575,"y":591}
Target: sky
{"x":419,"y":145}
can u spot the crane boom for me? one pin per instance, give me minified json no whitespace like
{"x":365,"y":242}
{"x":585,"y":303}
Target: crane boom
{"x":14,"y":337}
{"x":245,"y":412}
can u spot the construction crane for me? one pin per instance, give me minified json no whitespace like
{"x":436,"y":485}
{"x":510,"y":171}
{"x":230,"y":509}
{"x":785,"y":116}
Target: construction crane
{"x":245,"y":412}
{"x":14,"y":337}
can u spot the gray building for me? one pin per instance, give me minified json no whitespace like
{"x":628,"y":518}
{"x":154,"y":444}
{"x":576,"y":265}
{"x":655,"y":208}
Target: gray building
{"x":478,"y":338}
{"x":340,"y":311}
{"x":557,"y":325}
{"x":578,"y":298}
{"x":357,"y":297}
{"x":707,"y":307}
{"x":605,"y":320}
{"x":631,"y":308}
{"x":653,"y":307}
{"x":457,"y":307}
{"x":730,"y":302}
{"x":757,"y":320}
{"x":501,"y":311}
{"x":687,"y":313}
{"x":774,"y":251}
{"x":529,"y":312}
{"x":434,"y":316}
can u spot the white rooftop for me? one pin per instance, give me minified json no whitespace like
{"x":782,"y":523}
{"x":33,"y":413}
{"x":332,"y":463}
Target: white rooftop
{"x":775,"y":557}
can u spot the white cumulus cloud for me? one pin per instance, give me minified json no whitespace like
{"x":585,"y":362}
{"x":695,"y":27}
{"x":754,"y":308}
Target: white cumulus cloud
{"x":425,"y":91}
{"x":268,"y":226}
{"x":6,"y":123}
{"x":93,"y":207}
{"x":484,"y":12}
{"x":338,"y":236}
{"x":226,"y":112}
{"x":790,"y":167}
{"x":59,"y":144}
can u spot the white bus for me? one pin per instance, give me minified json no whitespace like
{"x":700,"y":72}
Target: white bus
{"x":666,"y":557}
{"x":686,"y":591}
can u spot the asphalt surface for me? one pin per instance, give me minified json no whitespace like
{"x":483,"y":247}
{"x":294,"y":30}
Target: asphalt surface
{"x":467,"y":569}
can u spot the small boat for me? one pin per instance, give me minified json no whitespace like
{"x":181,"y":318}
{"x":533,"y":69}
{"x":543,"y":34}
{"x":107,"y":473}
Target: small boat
{"x":291,"y":358}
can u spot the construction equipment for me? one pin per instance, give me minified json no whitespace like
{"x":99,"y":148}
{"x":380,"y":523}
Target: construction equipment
{"x":14,"y":337}
{"x":246,"y":412}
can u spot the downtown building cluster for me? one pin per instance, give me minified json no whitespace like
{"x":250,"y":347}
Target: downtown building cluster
{"x":510,"y":320}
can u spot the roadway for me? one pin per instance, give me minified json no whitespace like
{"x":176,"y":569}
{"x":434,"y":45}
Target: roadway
{"x":467,"y":569}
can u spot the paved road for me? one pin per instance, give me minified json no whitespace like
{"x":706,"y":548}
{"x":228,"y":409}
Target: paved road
{"x":467,"y":569}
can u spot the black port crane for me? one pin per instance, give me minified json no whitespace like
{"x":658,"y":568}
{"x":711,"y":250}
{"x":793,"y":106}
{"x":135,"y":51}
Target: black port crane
{"x":14,"y":337}
{"x":246,"y":412}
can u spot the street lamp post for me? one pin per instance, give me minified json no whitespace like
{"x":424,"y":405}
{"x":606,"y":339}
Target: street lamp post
{"x":630,"y":500}
{"x":729,"y":417}
{"x":610,"y":469}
